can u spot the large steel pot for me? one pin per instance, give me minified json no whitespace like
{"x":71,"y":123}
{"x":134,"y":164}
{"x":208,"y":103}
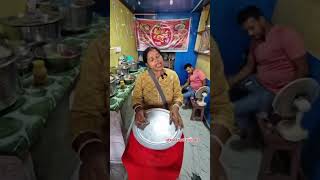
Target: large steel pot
{"x":24,"y":65}
{"x":123,"y":69}
{"x":43,"y":32}
{"x":37,"y":27}
{"x":78,"y":17}
{"x":8,"y":81}
{"x":24,"y":58}
{"x":134,"y":66}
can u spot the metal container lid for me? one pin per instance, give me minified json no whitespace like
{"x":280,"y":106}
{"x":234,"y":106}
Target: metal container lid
{"x":5,"y":56}
{"x":24,"y":61}
{"x":32,"y":19}
{"x":158,"y":134}
{"x":112,"y":79}
{"x":5,"y":52}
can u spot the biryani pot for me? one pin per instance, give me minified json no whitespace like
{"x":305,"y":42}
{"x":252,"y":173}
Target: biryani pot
{"x":78,"y":18}
{"x":113,"y":85}
{"x":9,"y":83}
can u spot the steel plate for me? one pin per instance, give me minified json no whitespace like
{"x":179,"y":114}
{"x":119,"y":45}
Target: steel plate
{"x":158,"y":134}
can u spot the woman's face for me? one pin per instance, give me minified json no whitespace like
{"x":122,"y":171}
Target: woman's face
{"x":155,"y":60}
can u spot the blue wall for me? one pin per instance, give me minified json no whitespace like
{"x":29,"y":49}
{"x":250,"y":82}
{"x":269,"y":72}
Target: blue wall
{"x":183,"y":58}
{"x":233,"y":42}
{"x":311,"y":121}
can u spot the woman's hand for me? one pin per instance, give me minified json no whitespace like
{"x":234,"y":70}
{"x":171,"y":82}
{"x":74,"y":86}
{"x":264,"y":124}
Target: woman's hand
{"x":217,"y":168}
{"x":217,"y":139}
{"x":140,"y":117}
{"x":94,"y":162}
{"x":175,"y":117}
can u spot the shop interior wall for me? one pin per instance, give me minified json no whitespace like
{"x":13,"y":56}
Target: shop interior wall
{"x":10,"y":8}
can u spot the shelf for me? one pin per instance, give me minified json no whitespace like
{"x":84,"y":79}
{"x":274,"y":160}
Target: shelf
{"x":206,"y":29}
{"x":203,"y":53}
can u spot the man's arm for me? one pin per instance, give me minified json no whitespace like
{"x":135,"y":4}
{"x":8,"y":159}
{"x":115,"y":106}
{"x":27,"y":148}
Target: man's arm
{"x":302,"y":67}
{"x":202,"y":77}
{"x":244,"y":72}
{"x":186,"y":84}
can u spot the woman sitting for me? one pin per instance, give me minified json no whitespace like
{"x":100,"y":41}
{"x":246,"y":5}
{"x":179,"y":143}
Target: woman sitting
{"x":142,"y":163}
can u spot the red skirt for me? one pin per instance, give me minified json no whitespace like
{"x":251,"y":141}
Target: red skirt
{"x":146,"y":164}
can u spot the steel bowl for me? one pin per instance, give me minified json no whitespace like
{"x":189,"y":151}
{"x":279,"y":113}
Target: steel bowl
{"x":158,"y":134}
{"x":134,"y":67}
{"x":129,"y":79}
{"x":55,"y":61}
{"x":123,"y":69}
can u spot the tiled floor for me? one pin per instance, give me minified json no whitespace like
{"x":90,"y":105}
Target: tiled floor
{"x":196,"y":158}
{"x":241,"y":165}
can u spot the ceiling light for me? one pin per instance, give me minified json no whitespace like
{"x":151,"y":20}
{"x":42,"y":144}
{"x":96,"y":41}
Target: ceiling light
{"x":139,"y":2}
{"x":171,"y":2}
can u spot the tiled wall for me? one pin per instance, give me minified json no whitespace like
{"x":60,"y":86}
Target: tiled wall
{"x":121,"y":31}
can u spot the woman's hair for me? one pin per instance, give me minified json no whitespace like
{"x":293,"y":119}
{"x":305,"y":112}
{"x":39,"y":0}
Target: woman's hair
{"x":146,"y":51}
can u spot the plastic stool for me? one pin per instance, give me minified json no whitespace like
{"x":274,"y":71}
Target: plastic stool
{"x":273,"y":144}
{"x":196,"y":108}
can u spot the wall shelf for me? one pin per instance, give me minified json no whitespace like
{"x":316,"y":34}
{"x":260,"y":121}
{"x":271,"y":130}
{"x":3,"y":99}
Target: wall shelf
{"x":202,"y":31}
{"x":207,"y":53}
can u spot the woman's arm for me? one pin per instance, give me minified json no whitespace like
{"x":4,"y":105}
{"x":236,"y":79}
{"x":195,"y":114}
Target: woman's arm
{"x":222,"y":108}
{"x":88,"y":113}
{"x":222,"y":123}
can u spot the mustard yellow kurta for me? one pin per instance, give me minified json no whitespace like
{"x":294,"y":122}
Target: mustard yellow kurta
{"x":146,"y":94}
{"x":221,"y":107}
{"x":90,"y":106}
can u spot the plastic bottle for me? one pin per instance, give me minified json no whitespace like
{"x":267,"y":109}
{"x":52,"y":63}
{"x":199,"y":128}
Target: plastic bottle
{"x":40,"y":76}
{"x":122,"y":84}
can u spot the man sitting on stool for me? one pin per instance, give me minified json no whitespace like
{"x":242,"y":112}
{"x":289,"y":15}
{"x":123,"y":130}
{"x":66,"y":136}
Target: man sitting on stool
{"x":277,"y":56}
{"x":196,"y":79}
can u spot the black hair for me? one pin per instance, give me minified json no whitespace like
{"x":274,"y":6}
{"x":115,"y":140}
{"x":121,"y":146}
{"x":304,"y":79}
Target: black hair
{"x":146,"y":51}
{"x":187,"y":65}
{"x":249,"y":12}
